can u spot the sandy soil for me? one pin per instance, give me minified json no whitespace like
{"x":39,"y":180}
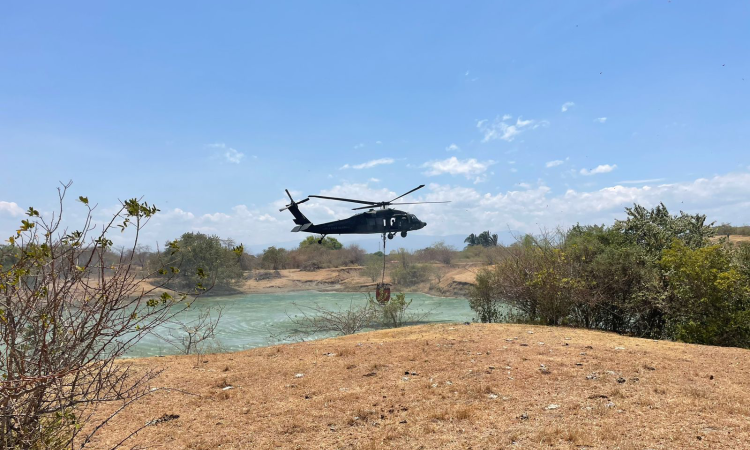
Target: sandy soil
{"x":733,"y":238}
{"x":454,"y":282}
{"x":476,"y":386}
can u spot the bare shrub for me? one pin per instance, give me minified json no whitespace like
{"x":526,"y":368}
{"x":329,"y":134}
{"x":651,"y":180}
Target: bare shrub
{"x":315,"y":320}
{"x":69,"y":307}
{"x":437,"y":252}
{"x":192,"y":336}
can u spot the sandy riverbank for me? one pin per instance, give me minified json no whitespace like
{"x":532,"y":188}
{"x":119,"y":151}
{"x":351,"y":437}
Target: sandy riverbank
{"x":453,"y":281}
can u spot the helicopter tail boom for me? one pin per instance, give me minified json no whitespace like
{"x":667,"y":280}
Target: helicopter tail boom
{"x":302,"y":222}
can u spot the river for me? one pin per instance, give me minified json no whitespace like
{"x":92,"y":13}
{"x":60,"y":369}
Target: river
{"x":256,"y":320}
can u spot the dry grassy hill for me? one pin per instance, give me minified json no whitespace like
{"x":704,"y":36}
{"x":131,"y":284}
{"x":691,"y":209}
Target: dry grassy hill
{"x":475,"y":386}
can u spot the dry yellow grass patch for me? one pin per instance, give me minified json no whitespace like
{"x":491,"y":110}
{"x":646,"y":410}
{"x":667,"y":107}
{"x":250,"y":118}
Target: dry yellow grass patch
{"x":453,"y":387}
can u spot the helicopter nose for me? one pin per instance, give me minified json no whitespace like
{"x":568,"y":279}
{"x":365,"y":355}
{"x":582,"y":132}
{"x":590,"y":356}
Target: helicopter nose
{"x":424,"y":224}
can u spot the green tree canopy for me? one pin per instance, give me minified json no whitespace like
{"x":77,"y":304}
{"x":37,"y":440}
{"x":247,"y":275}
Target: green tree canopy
{"x":274,"y":258}
{"x":201,"y":253}
{"x":328,"y":242}
{"x":485,"y":239}
{"x":655,"y":229}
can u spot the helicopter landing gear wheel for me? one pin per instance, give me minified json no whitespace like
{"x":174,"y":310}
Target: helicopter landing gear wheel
{"x":403,"y":234}
{"x":390,"y":235}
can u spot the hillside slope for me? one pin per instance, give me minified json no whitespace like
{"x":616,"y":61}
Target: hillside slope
{"x":468,"y":386}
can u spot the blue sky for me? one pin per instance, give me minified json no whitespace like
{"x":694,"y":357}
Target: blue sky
{"x":525,"y":115}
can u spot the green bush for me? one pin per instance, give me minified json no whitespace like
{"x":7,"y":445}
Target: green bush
{"x":412,"y":274}
{"x":393,"y":313}
{"x":709,"y":298}
{"x":202,"y":255}
{"x":652,"y":275}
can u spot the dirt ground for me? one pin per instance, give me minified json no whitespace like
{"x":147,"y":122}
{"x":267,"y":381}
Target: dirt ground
{"x":733,"y":238}
{"x":478,"y":386}
{"x":454,"y":282}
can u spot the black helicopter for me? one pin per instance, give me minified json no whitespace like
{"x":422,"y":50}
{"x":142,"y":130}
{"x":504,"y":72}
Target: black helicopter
{"x":385,"y":221}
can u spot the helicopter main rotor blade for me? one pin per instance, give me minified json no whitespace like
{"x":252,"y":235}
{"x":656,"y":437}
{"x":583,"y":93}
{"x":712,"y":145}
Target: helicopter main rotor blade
{"x":409,"y":203}
{"x":417,"y":203}
{"x":403,"y":195}
{"x":345,"y":200}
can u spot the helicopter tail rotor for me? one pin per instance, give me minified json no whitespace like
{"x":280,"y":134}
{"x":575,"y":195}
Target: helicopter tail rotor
{"x":299,"y":218}
{"x":293,"y":203}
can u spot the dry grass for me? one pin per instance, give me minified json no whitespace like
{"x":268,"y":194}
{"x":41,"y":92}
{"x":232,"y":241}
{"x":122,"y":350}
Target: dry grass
{"x":733,"y":238}
{"x":472,"y":389}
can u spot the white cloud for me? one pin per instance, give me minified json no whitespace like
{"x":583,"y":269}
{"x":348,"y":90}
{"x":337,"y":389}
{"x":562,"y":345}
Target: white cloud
{"x":233,"y":156}
{"x":453,"y":148}
{"x":374,"y":180}
{"x":567,"y":105}
{"x":216,"y":217}
{"x":529,"y":207}
{"x":369,"y":164}
{"x":470,"y":168}
{"x":650,"y":180}
{"x":507,"y":117}
{"x":600,"y":119}
{"x":177,"y":213}
{"x":378,"y":142}
{"x":603,"y":168}
{"x":10,"y":208}
{"x":554,"y":163}
{"x":360,"y":145}
{"x":507,"y":131}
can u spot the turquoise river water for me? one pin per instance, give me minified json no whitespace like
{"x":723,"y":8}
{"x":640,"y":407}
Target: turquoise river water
{"x":256,"y":320}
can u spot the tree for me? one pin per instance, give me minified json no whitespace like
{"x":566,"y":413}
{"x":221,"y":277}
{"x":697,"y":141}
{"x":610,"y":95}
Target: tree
{"x":483,"y":299}
{"x":374,"y":268}
{"x":485,"y":239}
{"x":329,"y":242}
{"x":67,"y":313}
{"x":393,"y":313}
{"x":411,"y":274}
{"x":219,"y":258}
{"x":655,"y":229}
{"x":709,"y":296}
{"x":438,"y":252}
{"x":274,"y":258}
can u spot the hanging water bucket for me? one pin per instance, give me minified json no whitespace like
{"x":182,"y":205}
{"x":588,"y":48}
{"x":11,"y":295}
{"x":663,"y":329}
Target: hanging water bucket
{"x":383,"y":292}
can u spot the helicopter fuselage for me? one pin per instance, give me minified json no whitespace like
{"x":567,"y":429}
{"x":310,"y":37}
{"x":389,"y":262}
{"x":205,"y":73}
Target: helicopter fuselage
{"x":371,"y":222}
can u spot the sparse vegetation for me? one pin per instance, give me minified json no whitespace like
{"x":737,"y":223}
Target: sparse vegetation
{"x":69,"y":308}
{"x":467,"y":387}
{"x":726,"y":229}
{"x":652,"y":274}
